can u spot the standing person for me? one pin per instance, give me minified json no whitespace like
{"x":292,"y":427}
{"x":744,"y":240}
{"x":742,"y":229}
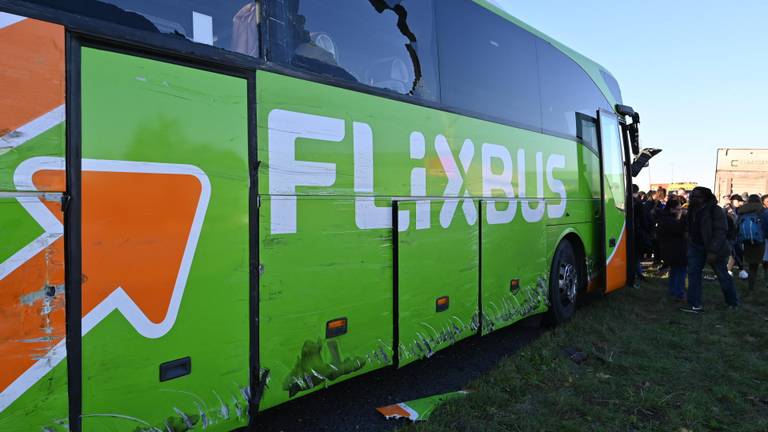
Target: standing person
{"x":661,"y":196}
{"x":708,"y":244}
{"x":752,"y":236}
{"x":649,"y":210}
{"x":737,"y":253}
{"x":661,"y":202}
{"x":639,"y":229}
{"x":673,"y":246}
{"x":765,"y":224}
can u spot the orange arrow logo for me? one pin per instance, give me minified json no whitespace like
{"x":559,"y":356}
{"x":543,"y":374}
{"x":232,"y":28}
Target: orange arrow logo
{"x":140,"y":227}
{"x":31,"y":77}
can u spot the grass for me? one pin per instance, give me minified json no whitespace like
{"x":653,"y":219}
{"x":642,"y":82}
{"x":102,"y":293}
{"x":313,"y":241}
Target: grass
{"x":648,"y":367}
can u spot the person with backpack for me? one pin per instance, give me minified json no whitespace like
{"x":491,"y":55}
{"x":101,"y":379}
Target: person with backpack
{"x":708,"y":244}
{"x":673,"y":246}
{"x":751,"y":236}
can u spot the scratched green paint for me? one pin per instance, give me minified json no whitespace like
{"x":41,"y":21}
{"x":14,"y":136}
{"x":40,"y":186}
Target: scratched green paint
{"x":347,"y":272}
{"x":136,"y":109}
{"x":433,"y":264}
{"x":332,"y":270}
{"x":512,"y":252}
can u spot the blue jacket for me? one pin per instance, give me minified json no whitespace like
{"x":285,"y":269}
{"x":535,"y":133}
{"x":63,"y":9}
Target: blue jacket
{"x":764,"y":222}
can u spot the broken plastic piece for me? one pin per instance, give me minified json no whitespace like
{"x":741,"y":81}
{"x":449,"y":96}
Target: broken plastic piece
{"x":419,"y":409}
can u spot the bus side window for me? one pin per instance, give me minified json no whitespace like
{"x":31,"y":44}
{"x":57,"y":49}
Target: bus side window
{"x":487,"y":64}
{"x":566,"y":90}
{"x":586,"y":131}
{"x":383,"y":44}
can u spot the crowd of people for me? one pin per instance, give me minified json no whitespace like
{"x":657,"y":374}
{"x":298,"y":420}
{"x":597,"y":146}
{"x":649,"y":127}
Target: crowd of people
{"x":683,"y":232}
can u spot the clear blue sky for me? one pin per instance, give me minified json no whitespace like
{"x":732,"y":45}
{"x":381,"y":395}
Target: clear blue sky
{"x":697,"y":71}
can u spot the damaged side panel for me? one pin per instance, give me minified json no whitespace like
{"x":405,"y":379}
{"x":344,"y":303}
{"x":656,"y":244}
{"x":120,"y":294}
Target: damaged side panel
{"x":33,"y":377}
{"x":437,"y":280}
{"x":165,"y":246}
{"x":334,"y":273}
{"x":515,"y":269}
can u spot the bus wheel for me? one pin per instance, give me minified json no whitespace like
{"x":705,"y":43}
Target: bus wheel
{"x":563,"y":284}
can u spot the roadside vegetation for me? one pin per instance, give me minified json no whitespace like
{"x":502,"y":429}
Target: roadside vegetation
{"x":630,"y":362}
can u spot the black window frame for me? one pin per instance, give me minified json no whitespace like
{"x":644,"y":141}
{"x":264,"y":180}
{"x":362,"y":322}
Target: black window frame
{"x":593,"y":146}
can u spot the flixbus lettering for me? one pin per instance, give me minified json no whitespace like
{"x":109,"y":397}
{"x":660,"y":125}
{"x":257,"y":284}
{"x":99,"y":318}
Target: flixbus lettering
{"x":287,"y":173}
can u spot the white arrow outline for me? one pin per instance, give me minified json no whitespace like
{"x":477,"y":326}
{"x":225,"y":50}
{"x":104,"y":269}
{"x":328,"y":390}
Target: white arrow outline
{"x":118,"y":299}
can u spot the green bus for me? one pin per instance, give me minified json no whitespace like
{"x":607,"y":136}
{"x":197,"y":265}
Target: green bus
{"x":209,"y":209}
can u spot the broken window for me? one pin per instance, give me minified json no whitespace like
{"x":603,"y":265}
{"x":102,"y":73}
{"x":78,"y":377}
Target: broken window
{"x":228,"y":24}
{"x":487,"y":64}
{"x":386,"y":44}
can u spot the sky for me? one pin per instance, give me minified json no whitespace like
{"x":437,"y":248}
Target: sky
{"x":695,"y":70}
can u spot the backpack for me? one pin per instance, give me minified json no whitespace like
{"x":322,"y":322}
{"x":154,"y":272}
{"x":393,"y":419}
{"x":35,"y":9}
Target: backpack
{"x":750,"y":229}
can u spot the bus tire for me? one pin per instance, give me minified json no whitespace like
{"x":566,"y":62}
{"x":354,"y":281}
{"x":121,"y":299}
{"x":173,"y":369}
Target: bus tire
{"x":564,"y":281}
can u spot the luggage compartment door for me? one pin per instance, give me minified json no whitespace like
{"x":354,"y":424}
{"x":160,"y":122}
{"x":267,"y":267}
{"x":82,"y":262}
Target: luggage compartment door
{"x":437,"y":277}
{"x":165,"y":245}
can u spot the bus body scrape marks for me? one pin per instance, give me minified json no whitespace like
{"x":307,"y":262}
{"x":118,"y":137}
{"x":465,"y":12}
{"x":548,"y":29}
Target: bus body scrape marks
{"x":136,"y":259}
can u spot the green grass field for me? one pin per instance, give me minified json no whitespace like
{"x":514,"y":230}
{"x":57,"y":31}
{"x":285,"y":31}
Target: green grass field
{"x":648,"y":367}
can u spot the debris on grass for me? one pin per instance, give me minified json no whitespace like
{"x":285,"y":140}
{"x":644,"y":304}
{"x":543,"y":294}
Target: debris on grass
{"x":419,"y":409}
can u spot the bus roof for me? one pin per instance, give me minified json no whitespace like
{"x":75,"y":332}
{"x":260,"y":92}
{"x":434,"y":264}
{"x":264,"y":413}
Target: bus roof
{"x":592,"y":68}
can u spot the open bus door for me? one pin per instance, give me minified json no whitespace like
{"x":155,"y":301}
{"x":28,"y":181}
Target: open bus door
{"x":619,"y":142}
{"x":635,"y":159}
{"x":614,"y":201}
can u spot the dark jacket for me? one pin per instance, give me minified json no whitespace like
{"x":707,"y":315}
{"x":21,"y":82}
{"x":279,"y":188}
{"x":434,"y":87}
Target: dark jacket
{"x":642,"y":244}
{"x":673,"y":238}
{"x":649,"y":214}
{"x":712,"y":224}
{"x":753,"y":254}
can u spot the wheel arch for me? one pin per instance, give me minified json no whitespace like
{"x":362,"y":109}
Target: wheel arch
{"x":572,"y":236}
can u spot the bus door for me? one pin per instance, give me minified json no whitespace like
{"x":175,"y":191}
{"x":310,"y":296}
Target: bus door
{"x":613,"y":201}
{"x":164,"y":193}
{"x":437,"y":275}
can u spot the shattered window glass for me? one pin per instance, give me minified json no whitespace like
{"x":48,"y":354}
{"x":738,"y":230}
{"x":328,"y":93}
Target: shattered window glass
{"x":228,"y":24}
{"x":386,"y":44}
{"x":487,"y":64}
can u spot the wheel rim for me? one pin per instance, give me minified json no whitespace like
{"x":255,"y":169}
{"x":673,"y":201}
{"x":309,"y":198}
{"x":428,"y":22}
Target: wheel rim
{"x":568,"y":282}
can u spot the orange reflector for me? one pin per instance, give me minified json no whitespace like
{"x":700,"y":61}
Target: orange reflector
{"x":442,"y":304}
{"x":335,"y":327}
{"x":514,"y":285}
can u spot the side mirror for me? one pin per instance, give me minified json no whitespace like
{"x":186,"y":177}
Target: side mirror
{"x":634,"y":137}
{"x":633,"y":129}
{"x":641,"y":161}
